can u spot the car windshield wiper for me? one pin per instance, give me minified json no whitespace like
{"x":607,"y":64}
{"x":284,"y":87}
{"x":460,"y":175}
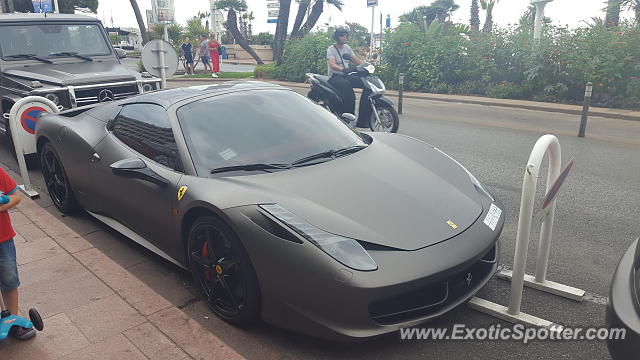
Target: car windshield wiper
{"x":30,"y":57}
{"x":349,"y":150}
{"x":251,"y":167}
{"x":332,"y":154}
{"x":71,"y":53}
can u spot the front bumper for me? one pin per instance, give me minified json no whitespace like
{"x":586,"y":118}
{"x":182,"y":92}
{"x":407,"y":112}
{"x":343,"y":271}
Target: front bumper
{"x":622,"y":313}
{"x":74,"y":96}
{"x":305,"y":290}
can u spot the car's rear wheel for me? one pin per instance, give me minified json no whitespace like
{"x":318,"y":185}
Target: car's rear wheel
{"x":223,"y":272}
{"x":56,"y":180}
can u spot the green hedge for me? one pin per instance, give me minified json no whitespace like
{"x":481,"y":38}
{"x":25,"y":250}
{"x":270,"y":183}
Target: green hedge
{"x":504,"y":64}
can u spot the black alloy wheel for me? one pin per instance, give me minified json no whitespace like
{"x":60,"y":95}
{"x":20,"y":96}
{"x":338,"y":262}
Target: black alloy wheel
{"x":223,"y":272}
{"x":56,"y":180}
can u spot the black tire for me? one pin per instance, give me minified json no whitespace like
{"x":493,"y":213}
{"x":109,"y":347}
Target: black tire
{"x":225,"y":276}
{"x":36,"y":319}
{"x":56,"y":180}
{"x":389,"y":119}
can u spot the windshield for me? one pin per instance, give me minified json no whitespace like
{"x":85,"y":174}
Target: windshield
{"x":45,"y":40}
{"x":260,"y":126}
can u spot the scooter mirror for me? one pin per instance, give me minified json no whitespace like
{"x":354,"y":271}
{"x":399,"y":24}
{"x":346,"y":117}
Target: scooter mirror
{"x":348,"y":118}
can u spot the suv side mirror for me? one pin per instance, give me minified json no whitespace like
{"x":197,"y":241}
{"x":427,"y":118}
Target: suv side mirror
{"x":121,"y":54}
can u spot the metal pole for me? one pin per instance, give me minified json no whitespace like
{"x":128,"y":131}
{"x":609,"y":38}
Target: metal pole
{"x":544,"y":247}
{"x":400,"y":92}
{"x":57,"y":8}
{"x":585,"y":109}
{"x":163,"y":68}
{"x":373,"y":19}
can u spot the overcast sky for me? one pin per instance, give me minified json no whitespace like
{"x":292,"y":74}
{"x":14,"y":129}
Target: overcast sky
{"x":564,"y":12}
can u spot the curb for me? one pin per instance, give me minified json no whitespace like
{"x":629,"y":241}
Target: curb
{"x":622,"y":114}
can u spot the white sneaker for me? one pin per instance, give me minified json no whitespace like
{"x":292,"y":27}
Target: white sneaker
{"x":213,"y":75}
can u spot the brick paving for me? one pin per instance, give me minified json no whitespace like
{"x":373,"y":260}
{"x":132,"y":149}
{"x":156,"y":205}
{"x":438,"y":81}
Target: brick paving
{"x":93,"y":308}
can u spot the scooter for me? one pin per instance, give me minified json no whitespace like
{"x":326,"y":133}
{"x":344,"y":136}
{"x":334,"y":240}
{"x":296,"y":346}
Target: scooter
{"x":384,"y":117}
{"x":8,"y":321}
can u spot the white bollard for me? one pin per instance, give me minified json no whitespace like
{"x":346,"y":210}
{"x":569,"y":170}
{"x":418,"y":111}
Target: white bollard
{"x":555,"y":178}
{"x":22,"y":148}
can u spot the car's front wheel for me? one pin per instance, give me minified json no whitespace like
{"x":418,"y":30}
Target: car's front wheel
{"x":56,"y":179}
{"x":223,"y":271}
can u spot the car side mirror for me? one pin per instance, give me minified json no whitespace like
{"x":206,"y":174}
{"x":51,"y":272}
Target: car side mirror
{"x":346,"y":56}
{"x":137,"y":169}
{"x":121,"y":54}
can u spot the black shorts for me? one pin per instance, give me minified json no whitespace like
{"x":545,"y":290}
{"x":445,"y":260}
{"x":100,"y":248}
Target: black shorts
{"x":188,"y":59}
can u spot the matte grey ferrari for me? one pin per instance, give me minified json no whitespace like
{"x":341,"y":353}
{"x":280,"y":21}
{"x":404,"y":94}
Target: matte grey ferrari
{"x":279,"y":209}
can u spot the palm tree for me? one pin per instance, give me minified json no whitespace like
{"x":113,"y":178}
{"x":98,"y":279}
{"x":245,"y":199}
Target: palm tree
{"x":612,"y":19}
{"x":143,"y":28}
{"x":281,"y":31}
{"x":232,"y":24}
{"x":475,"y":16}
{"x":487,"y":5}
{"x":303,"y":8}
{"x":316,"y":11}
{"x":633,"y":5}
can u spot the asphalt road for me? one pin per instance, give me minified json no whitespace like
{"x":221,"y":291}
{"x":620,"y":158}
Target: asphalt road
{"x":596,"y":220}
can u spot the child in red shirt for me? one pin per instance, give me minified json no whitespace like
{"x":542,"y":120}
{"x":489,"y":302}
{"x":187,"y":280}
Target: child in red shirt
{"x":9,"y":281}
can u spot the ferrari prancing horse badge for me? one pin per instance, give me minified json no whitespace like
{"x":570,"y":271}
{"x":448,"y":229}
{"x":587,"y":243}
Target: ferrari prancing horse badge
{"x":183,"y":190}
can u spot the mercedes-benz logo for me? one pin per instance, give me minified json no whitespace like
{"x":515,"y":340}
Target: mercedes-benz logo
{"x":106,"y":95}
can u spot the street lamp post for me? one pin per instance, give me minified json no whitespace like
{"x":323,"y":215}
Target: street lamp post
{"x":539,"y":4}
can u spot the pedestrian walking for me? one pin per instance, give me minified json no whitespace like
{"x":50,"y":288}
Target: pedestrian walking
{"x":187,"y":52}
{"x":214,"y":53}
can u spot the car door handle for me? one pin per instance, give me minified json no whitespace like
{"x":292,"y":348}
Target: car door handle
{"x":95,"y":157}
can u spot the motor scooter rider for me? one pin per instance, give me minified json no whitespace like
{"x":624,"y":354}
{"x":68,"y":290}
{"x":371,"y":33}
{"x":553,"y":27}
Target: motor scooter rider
{"x":338,"y":69}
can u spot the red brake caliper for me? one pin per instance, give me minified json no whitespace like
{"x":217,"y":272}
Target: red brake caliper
{"x":205,"y":254}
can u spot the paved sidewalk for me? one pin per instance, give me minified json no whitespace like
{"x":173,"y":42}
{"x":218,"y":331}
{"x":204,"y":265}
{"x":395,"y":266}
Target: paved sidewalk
{"x":92,"y":307}
{"x":624,"y":114}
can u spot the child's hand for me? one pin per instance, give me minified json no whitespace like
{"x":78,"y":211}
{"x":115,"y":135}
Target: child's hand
{"x":4,"y":199}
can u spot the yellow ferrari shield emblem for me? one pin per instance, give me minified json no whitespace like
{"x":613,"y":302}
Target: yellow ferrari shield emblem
{"x":452,"y":224}
{"x":183,"y":190}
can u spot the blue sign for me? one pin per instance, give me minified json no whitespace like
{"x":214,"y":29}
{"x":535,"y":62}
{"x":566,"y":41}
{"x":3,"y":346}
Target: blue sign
{"x":372,"y":3}
{"x":272,"y":21}
{"x":41,"y":6}
{"x":388,"y":21}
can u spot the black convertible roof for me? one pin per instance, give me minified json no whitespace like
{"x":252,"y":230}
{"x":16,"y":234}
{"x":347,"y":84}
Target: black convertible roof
{"x":166,"y":98}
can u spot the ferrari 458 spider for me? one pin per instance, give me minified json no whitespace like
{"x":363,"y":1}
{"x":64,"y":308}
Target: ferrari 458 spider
{"x":279,"y":209}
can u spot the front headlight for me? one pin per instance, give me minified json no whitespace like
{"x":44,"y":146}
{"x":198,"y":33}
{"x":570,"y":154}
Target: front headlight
{"x":347,"y":251}
{"x":53,"y":97}
{"x":148,"y":87}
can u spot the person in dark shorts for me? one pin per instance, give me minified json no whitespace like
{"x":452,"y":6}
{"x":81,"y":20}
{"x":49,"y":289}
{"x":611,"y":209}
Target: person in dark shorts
{"x":187,"y":51}
{"x":203,"y":51}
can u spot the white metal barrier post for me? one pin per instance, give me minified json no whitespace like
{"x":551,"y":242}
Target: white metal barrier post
{"x":555,"y":178}
{"x":23,"y":136}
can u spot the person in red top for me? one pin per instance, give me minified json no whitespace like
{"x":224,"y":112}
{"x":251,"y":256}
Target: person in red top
{"x":214,"y":47}
{"x":9,"y":281}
